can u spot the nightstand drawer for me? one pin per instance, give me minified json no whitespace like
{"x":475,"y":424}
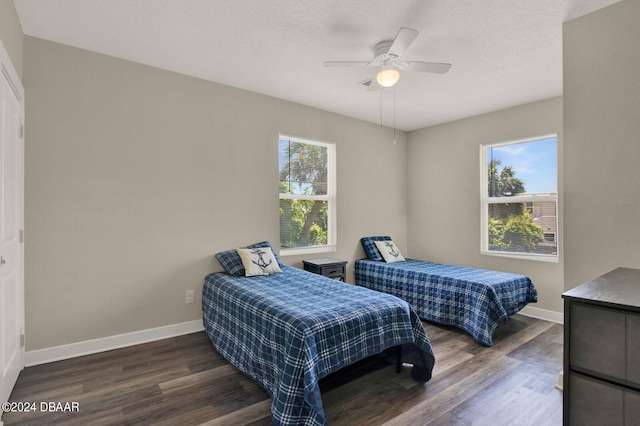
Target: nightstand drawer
{"x":328,"y":267}
{"x":333,"y":272}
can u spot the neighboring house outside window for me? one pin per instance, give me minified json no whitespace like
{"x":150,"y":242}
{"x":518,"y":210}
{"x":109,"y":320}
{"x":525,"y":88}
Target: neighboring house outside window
{"x":519,"y":195}
{"x":307,"y":196}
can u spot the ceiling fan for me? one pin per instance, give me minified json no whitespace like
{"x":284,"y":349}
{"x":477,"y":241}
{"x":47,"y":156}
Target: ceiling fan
{"x":388,"y":56}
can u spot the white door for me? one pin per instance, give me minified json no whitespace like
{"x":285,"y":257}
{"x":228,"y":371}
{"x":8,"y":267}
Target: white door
{"x":11,"y":216}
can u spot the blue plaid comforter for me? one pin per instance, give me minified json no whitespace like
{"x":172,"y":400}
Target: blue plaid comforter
{"x":286,"y":331}
{"x":475,"y":300}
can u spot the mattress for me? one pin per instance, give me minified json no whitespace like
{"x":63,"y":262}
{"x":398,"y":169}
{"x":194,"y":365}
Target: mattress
{"x":474,"y":300}
{"x":286,"y":331}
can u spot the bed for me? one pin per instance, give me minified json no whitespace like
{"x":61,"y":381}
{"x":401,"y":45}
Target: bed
{"x":474,"y":300}
{"x":288,"y":330}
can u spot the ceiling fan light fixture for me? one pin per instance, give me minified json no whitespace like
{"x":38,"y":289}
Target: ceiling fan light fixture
{"x":388,"y":77}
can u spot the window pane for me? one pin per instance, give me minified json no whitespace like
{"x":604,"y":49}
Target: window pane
{"x":303,"y":223}
{"x":527,"y":170}
{"x":303,"y":168}
{"x":523,"y":227}
{"x":525,"y":167}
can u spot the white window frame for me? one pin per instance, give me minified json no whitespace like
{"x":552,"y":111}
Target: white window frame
{"x":485,"y":200}
{"x":330,"y":198}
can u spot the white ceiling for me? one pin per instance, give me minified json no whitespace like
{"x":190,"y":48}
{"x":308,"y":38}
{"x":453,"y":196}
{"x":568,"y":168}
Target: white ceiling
{"x":504,"y":52}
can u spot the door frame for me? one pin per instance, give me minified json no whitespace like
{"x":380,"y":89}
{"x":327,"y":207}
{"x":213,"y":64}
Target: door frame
{"x":8,"y":72}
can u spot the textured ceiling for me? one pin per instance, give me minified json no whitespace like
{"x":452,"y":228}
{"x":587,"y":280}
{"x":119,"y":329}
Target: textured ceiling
{"x":504,"y":52}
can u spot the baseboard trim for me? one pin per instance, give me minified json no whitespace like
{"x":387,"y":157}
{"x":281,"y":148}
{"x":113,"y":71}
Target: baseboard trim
{"x":544,"y":314}
{"x":58,"y":353}
{"x":560,"y":383}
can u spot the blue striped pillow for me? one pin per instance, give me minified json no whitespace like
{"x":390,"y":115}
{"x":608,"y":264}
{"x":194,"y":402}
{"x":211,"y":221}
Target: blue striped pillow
{"x":369,"y":245}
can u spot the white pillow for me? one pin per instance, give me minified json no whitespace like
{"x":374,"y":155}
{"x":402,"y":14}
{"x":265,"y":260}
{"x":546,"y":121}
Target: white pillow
{"x":389,"y":251}
{"x":258,"y":261}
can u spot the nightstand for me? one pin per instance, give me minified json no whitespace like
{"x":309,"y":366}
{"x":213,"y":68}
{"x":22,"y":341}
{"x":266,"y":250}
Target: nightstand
{"x":328,"y":267}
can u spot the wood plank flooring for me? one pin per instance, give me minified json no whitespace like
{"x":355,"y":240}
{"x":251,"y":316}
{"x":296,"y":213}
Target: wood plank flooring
{"x":184,"y":381}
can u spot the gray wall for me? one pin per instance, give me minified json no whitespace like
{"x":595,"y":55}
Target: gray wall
{"x":136,"y":176}
{"x":602,"y":142}
{"x":444,"y":191}
{"x":11,"y":33}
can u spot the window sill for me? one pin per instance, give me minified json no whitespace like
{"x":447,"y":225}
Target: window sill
{"x":535,"y":257}
{"x":306,"y":250}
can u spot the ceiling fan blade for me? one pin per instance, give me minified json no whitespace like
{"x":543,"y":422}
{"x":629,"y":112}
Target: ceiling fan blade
{"x":348,"y":64}
{"x":433,"y":67}
{"x":371,"y":84}
{"x":402,"y":41}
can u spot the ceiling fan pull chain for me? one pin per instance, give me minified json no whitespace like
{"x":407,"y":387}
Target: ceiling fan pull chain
{"x":394,"y":116}
{"x":380,"y":109}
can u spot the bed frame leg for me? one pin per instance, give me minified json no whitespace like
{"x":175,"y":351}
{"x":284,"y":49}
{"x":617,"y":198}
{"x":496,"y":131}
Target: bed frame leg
{"x":398,"y":358}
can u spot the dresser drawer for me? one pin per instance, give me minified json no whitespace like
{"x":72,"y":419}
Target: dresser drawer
{"x":593,"y":402}
{"x":632,"y":407}
{"x":633,"y":349}
{"x":597,"y":340}
{"x":605,"y":342}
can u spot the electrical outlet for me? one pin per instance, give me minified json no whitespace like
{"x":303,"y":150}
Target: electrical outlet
{"x":191,"y":296}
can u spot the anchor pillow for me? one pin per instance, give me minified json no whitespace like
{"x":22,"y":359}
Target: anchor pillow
{"x":389,"y":251}
{"x":258,"y":261}
{"x":232,"y":264}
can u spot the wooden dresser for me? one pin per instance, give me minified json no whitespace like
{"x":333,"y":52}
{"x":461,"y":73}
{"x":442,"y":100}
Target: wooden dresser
{"x":602,"y":350}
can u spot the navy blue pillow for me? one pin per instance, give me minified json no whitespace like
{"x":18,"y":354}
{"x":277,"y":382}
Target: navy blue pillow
{"x":370,"y":247}
{"x":232,"y":264}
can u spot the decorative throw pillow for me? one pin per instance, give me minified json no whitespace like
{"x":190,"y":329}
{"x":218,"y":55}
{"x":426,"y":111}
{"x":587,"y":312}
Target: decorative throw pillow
{"x":389,"y":251}
{"x":369,"y":246}
{"x":232,"y":264}
{"x":267,"y":244}
{"x":259,"y":261}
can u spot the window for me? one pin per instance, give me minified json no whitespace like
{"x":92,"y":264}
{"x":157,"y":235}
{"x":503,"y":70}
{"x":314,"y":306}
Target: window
{"x":520,"y":199}
{"x":307,"y":196}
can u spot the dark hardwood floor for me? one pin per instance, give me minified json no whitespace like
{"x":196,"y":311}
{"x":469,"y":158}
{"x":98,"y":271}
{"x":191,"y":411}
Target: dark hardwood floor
{"x":183,"y":381}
